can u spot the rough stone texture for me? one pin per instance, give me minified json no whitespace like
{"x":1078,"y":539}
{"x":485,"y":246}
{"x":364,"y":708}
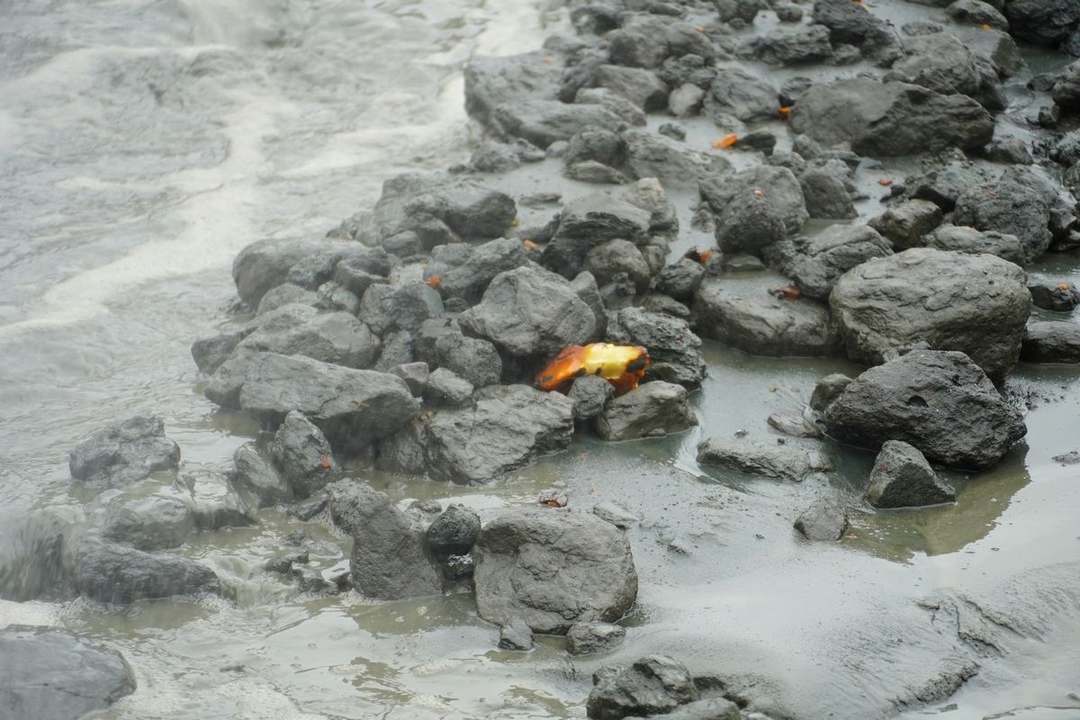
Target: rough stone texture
{"x":940,"y":402}
{"x":1043,"y":22}
{"x":446,"y":387}
{"x":385,"y":308}
{"x":294,"y":329}
{"x":265,"y":264}
{"x":785,"y":462}
{"x":680,"y":279}
{"x":828,"y":389}
{"x":124,"y":453}
{"x":112,"y":573}
{"x":650,"y":410}
{"x":51,"y":674}
{"x":508,"y":427}
{"x":149,"y":523}
{"x":353,"y":408}
{"x":303,"y":456}
{"x":543,"y":122}
{"x":1066,"y":90}
{"x":816,"y":262}
{"x":530,"y":311}
{"x":890,"y":119}
{"x":674,"y":350}
{"x":618,"y":258}
{"x":473,"y":359}
{"x":751,"y":224}
{"x":588,"y":638}
{"x":1014,"y":205}
{"x":491,"y":80}
{"x":960,"y":238}
{"x":938,"y":62}
{"x":590,"y":393}
{"x":905,"y":223}
{"x":258,"y":479}
{"x":213,"y":501}
{"x":516,"y":635}
{"x":211,"y":350}
{"x":826,"y":196}
{"x":779,"y":188}
{"x":649,"y":155}
{"x":553,"y":568}
{"x":712,"y":708}
{"x":390,"y":560}
{"x":745,"y":315}
{"x":589,"y":221}
{"x":740,"y":94}
{"x":977,"y":304}
{"x":1053,"y":341}
{"x":656,"y":684}
{"x":615,"y":514}
{"x":1054,"y":295}
{"x":825,"y":520}
{"x":901,"y":477}
{"x":464,"y":271}
{"x":454,"y":532}
{"x":639,"y":86}
{"x":803,"y":45}
{"x":852,"y":24}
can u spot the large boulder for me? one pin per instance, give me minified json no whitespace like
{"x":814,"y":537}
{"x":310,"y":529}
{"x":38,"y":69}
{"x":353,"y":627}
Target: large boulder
{"x":390,"y":558}
{"x":649,"y":410}
{"x":977,"y":304}
{"x":265,"y":264}
{"x":491,"y":80}
{"x":156,"y":522}
{"x":531,"y":311}
{"x":940,"y":402}
{"x":901,"y":477}
{"x":1043,"y":22}
{"x":961,"y":238}
{"x":352,"y":408}
{"x":1014,"y":205}
{"x":816,"y":262}
{"x":543,"y":122}
{"x":939,"y":62}
{"x":649,"y":155}
{"x":112,"y":573}
{"x":50,"y":673}
{"x":889,"y":119}
{"x":905,"y":223}
{"x":784,"y":462}
{"x":506,"y":428}
{"x":853,"y":24}
{"x":124,"y":453}
{"x":553,"y":568}
{"x":737,"y":93}
{"x":386,"y":308}
{"x":294,"y":329}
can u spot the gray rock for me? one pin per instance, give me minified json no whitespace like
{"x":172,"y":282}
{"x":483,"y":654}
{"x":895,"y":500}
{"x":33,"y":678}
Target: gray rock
{"x":590,"y":221}
{"x":390,"y":560}
{"x":826,"y":196}
{"x":816,"y":262}
{"x":553,"y":568}
{"x":265,"y":264}
{"x":905,"y":223}
{"x":454,"y":532}
{"x":977,"y":304}
{"x":1053,"y":341}
{"x":738,"y":93}
{"x":336,"y":337}
{"x":977,"y":12}
{"x":828,"y":389}
{"x":744,"y":314}
{"x":793,"y":425}
{"x":590,"y":171}
{"x":680,"y":279}
{"x":464,"y":271}
{"x":650,"y":410}
{"x":938,"y":62}
{"x":531,"y":311}
{"x":302,"y":456}
{"x":615,"y":514}
{"x":850,"y":24}
{"x":1066,"y":90}
{"x":809,"y":44}
{"x":51,"y":674}
{"x":673,"y":163}
{"x":779,"y":188}
{"x":399,"y":307}
{"x":785,"y":462}
{"x":415,"y":375}
{"x":516,"y":635}
{"x":674,"y":350}
{"x":446,"y":387}
{"x":1008,"y":151}
{"x":639,"y":86}
{"x":353,"y":408}
{"x":506,"y":429}
{"x":1053,"y":295}
{"x":211,"y":350}
{"x":590,"y":143}
{"x":890,"y":119}
{"x":1015,"y":205}
{"x":590,"y":393}
{"x":214,"y":502}
{"x":474,"y":360}
{"x":1043,"y":22}
{"x":750,"y":224}
{"x":258,"y":479}
{"x":825,"y":520}
{"x":607,"y":261}
{"x":708,"y":709}
{"x":689,"y":69}
{"x":124,"y":453}
{"x":656,"y":684}
{"x":944,"y":184}
{"x":901,"y":477}
{"x":149,"y":523}
{"x":543,"y":122}
{"x":492,"y":80}
{"x":963,"y":239}
{"x":397,"y":349}
{"x":112,"y":573}
{"x":940,"y":402}
{"x":685,"y":100}
{"x":589,"y":638}
{"x":285,"y":294}
{"x":617,"y":105}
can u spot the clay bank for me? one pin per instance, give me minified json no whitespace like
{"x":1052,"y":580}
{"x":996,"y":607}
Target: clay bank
{"x":824,"y":469}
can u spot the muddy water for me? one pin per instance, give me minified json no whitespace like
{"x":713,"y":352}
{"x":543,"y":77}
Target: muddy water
{"x":143,"y":144}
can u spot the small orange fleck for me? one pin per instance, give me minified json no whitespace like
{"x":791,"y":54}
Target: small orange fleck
{"x":325,"y":462}
{"x":785,"y":110}
{"x":514,"y":222}
{"x":726,"y":141}
{"x":700,"y":29}
{"x":884,"y":182}
{"x":434,"y":282}
{"x":986,"y":26}
{"x":790,"y":292}
{"x":1063,"y":286}
{"x":704,"y":255}
{"x":530,"y":244}
{"x":758,"y":192}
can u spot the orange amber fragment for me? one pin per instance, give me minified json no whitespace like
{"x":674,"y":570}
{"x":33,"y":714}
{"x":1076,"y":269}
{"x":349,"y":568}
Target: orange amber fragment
{"x":530,"y":244}
{"x":434,"y":282}
{"x":785,"y":111}
{"x":726,"y":141}
{"x":621,"y":365}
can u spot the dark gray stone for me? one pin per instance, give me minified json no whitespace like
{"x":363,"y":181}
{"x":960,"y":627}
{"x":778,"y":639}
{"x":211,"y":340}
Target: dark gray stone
{"x":112,"y":573}
{"x":543,"y":122}
{"x":399,"y":307}
{"x":446,"y":387}
{"x":905,"y":223}
{"x":336,"y":337}
{"x":590,"y":393}
{"x":793,"y":425}
{"x":808,"y":44}
{"x":749,"y":224}
{"x":124,"y":453}
{"x":674,"y":350}
{"x":214,"y":502}
{"x":464,"y":271}
{"x":265,"y":264}
{"x":938,"y":62}
{"x":901,"y":477}
{"x":454,"y":532}
{"x":1058,"y":296}
{"x":607,"y":261}
{"x":650,"y":410}
{"x":960,"y":238}
{"x":258,"y":479}
{"x":680,"y":279}
{"x":649,"y":155}
{"x":816,"y":262}
{"x":1053,"y":341}
{"x":708,"y":709}
{"x":589,"y":638}
{"x":656,"y":684}
{"x":415,"y":375}
{"x":639,"y":86}
{"x":303,"y":456}
{"x":210,"y":351}
{"x":852,"y":24}
{"x":50,"y":674}
{"x":516,"y":635}
{"x":492,"y":80}
{"x":475,"y":360}
{"x":738,"y":93}
{"x":825,"y":520}
{"x":828,"y":389}
{"x":149,"y":523}
{"x":940,"y":402}
{"x":615,"y":514}
{"x":603,"y":146}
{"x":826,"y":196}
{"x":977,"y":12}
{"x":553,"y":568}
{"x":778,"y":187}
{"x":785,"y":462}
{"x":589,"y":221}
{"x":1014,"y":205}
{"x":1043,"y":22}
{"x":397,"y":349}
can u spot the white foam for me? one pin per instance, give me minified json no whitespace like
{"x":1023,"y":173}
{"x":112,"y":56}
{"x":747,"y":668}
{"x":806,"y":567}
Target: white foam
{"x":28,"y":613}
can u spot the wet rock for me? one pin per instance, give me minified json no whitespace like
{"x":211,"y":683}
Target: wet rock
{"x":709,"y":709}
{"x":50,"y":673}
{"x":516,"y":635}
{"x":415,"y":375}
{"x":543,"y":122}
{"x":639,"y":86}
{"x":446,"y":387}
{"x":977,"y":304}
{"x":737,"y":93}
{"x":750,"y":224}
{"x":473,"y":359}
{"x":828,"y":389}
{"x":648,"y":194}
{"x":336,"y":337}
{"x":825,"y":520}
{"x":591,"y":171}
{"x":1066,"y":90}
{"x":905,"y":223}
{"x":788,"y":12}
{"x":531,"y":311}
{"x":589,"y":221}
{"x":214,"y":502}
{"x":641,"y":44}
{"x":619,"y":256}
{"x":746,"y":315}
{"x":650,"y":410}
{"x":302,"y":455}
{"x":492,"y":80}
{"x":387,"y":308}
{"x":793,"y":425}
{"x":653,"y":156}
{"x":1008,"y":151}
{"x":890,"y":119}
{"x":675,"y":351}
{"x":615,"y":514}
{"x":353,"y":408}
{"x":940,"y":402}
{"x":603,"y":146}
{"x":809,"y":44}
{"x":963,"y":239}
{"x":680,"y":279}
{"x":389,"y":558}
{"x":620,"y":107}
{"x":1043,"y":22}
{"x":685,"y":101}
{"x":454,"y":532}
{"x":112,"y":573}
{"x":124,"y":453}
{"x":356,"y":273}
{"x":784,"y":462}
{"x":282,"y":295}
{"x":778,"y":187}
{"x":283,"y":564}
{"x":690,"y":69}
{"x":656,"y":684}
{"x":589,"y":638}
{"x":1053,"y":341}
{"x":852,"y":24}
{"x":901,"y":477}
{"x":1050,"y":295}
{"x":553,"y":568}
{"x":826,"y":196}
{"x":938,"y":62}
{"x":816,"y":262}
{"x":258,"y":479}
{"x":944,"y":184}
{"x":590,"y":393}
{"x":149,"y":523}
{"x":1013,"y":205}
{"x":265,"y":264}
{"x":210,"y":351}
{"x":464,"y":270}
{"x":507,"y":428}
